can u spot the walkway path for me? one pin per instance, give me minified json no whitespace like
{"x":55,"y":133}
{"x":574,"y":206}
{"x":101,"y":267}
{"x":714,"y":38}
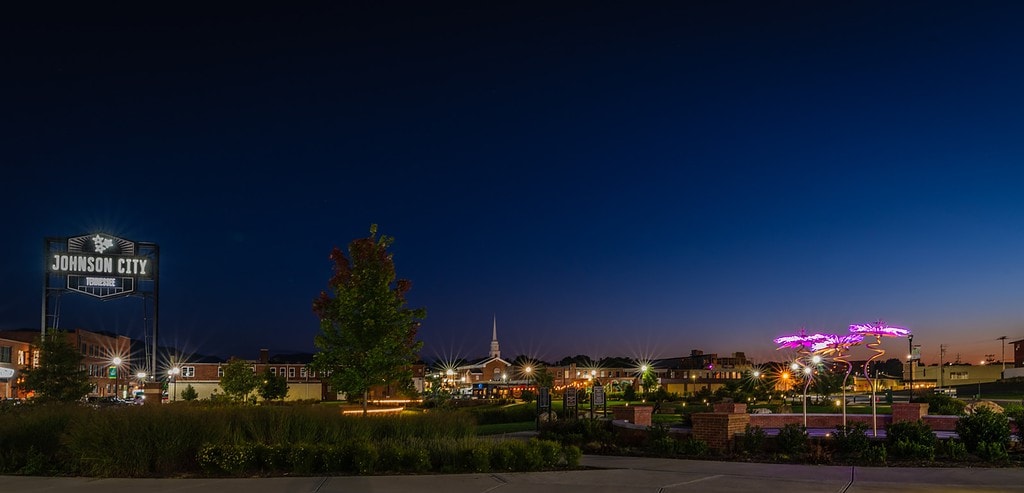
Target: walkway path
{"x":605,"y":475}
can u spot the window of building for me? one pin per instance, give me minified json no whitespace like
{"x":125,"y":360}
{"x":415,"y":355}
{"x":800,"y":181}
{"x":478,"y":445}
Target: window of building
{"x":253,"y":368}
{"x":303,"y":372}
{"x":281,"y":371}
{"x":22,"y":360}
{"x":220,"y":371}
{"x":273,"y":371}
{"x":958,"y":375}
{"x":5,"y":354}
{"x":83,"y":350}
{"x":188,"y":371}
{"x":291,"y":372}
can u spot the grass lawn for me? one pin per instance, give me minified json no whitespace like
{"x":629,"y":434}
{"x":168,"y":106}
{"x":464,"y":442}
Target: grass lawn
{"x":499,"y":428}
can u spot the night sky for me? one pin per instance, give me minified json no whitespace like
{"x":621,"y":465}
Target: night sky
{"x":604,"y":178}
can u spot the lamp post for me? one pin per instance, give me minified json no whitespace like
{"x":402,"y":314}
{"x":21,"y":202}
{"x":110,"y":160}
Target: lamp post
{"x":117,"y":374}
{"x":910,"y":366}
{"x":142,"y":380}
{"x":174,"y":380}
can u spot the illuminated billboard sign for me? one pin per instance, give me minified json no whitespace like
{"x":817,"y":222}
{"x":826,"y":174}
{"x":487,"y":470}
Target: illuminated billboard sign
{"x":101,"y":265}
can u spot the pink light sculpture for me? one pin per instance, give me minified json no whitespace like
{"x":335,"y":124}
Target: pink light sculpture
{"x":838,"y":347}
{"x":877,"y":329}
{"x":803,"y":343}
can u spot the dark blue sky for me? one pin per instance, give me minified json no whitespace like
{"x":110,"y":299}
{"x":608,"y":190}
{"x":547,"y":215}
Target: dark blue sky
{"x":605,"y":179}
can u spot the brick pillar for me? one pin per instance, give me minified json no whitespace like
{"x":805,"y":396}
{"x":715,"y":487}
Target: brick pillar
{"x":908,"y":411}
{"x":731,"y":408}
{"x":639,"y":415}
{"x":718,"y":429}
{"x":153,"y":391}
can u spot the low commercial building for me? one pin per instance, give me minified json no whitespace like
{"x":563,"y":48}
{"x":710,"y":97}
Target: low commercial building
{"x":106,"y":359}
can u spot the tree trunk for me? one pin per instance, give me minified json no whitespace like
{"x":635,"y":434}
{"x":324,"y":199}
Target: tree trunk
{"x":366,"y":398}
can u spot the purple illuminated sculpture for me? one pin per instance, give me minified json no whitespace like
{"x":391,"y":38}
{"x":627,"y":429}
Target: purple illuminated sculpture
{"x":803,"y":344}
{"x":838,"y":347}
{"x":878,"y":330}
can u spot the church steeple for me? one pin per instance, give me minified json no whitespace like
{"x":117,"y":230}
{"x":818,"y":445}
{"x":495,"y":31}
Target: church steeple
{"x":495,"y":351}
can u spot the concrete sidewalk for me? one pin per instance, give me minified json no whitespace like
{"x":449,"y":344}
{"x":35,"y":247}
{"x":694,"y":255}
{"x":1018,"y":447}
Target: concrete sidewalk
{"x":605,"y":474}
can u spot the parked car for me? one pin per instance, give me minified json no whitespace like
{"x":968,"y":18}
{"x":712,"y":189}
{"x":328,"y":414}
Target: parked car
{"x":105,"y":401}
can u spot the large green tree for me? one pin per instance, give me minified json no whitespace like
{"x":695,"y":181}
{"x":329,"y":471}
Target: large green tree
{"x":59,"y":376}
{"x":367,"y":333}
{"x":239,"y":380}
{"x":273,"y":387}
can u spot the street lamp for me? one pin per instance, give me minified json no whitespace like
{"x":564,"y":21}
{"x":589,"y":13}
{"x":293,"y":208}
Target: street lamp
{"x":117,"y":374}
{"x":174,"y":380}
{"x":142,"y":380}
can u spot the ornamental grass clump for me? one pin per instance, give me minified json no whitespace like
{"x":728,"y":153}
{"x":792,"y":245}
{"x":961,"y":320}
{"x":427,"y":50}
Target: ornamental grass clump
{"x":171,"y":440}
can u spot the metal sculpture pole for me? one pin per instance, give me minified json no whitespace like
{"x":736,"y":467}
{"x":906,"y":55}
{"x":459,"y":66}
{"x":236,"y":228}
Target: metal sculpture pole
{"x":877,"y":329}
{"x":836,"y":345}
{"x":801,"y":342}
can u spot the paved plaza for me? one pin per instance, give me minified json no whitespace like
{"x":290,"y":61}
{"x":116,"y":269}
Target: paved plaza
{"x":603,"y":474}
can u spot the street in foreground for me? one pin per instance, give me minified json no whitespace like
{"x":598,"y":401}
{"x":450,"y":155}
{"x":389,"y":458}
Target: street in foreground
{"x":605,"y":474}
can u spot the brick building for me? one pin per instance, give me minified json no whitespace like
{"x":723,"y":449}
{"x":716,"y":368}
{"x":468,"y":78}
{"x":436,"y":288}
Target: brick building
{"x":98,"y":351}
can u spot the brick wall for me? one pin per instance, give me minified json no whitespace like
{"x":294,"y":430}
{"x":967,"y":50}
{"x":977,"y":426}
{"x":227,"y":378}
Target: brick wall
{"x":718,"y":429}
{"x":830,"y":421}
{"x":638,"y":415}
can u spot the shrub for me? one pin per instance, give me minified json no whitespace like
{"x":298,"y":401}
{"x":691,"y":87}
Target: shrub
{"x":659,"y":442}
{"x":577,"y":431}
{"x":792,"y":439}
{"x":503,"y":458}
{"x":1016,"y":413}
{"x":945,"y":405}
{"x":305,"y":459}
{"x":991,"y":452}
{"x":906,"y":449}
{"x":572,"y":455}
{"x":754,"y":438}
{"x":875,"y":455}
{"x":912,"y":431}
{"x":911,"y":440}
{"x":983,"y":426}
{"x":693,"y":447}
{"x":851,"y":440}
{"x":953,"y":449}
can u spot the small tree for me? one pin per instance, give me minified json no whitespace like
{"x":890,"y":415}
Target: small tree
{"x":273,"y":387}
{"x":628,"y":392}
{"x":59,"y":377}
{"x":648,"y":381}
{"x":367,"y":334}
{"x":189,"y":394}
{"x":239,"y":380}
{"x":543,"y":377}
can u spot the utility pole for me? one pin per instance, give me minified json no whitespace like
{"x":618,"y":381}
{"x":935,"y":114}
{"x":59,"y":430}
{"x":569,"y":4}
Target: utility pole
{"x":910,"y":366}
{"x":942,"y":369}
{"x":1003,"y":357}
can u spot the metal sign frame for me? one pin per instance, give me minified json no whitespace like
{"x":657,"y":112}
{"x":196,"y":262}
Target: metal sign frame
{"x":105,"y":267}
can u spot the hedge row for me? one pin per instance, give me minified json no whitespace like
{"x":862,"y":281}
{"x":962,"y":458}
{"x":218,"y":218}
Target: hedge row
{"x":389,"y":456}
